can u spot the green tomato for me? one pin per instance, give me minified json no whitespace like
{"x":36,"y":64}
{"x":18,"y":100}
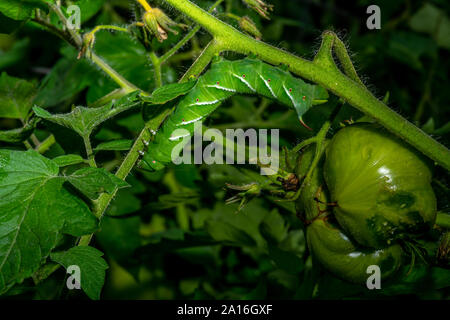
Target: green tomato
{"x":342,"y":257}
{"x":381,"y":187}
{"x":328,"y":243}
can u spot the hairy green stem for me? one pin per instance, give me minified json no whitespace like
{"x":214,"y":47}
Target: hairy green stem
{"x":346,"y":63}
{"x":89,"y":153}
{"x":115,"y":94}
{"x":319,"y":141}
{"x":157,"y":68}
{"x":212,"y":49}
{"x":187,"y":37}
{"x":76,"y":38}
{"x":179,"y":45}
{"x":227,"y":38}
{"x":304,"y":143}
{"x":27,"y":145}
{"x":102,"y":203}
{"x":113,"y":74}
{"x":46,"y":144}
{"x":108,"y":27}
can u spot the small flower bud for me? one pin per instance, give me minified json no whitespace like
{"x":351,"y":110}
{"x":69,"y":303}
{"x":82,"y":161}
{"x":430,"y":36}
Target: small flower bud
{"x":260,"y":6}
{"x":158,"y":23}
{"x":88,"y":43}
{"x":248,"y":192}
{"x":247,"y":25}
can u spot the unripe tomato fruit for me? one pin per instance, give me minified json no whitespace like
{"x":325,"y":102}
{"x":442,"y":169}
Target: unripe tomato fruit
{"x":381,"y":186}
{"x":340,"y":255}
{"x":328,"y":243}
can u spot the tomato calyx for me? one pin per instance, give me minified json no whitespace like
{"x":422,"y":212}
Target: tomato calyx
{"x":291,"y":183}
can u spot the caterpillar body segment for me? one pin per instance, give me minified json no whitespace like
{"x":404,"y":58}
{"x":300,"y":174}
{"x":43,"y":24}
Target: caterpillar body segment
{"x":225,"y":79}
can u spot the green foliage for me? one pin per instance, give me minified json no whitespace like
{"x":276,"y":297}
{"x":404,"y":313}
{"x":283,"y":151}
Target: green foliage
{"x":169,"y":234}
{"x":169,"y":92}
{"x":21,"y":9}
{"x":91,"y":264}
{"x":222,"y":81}
{"x":84,"y":120}
{"x":95,"y":181}
{"x":68,"y":160}
{"x":36,"y":209}
{"x":19,"y":134}
{"x":67,"y":78}
{"x":16,"y":97}
{"x":434,"y":21}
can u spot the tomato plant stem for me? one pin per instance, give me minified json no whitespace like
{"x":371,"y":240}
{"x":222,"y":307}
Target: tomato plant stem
{"x":89,"y":153}
{"x":75,"y":36}
{"x":145,"y":5}
{"x":212,"y":49}
{"x":78,"y":41}
{"x":108,"y":27}
{"x":227,"y":38}
{"x":156,"y":68}
{"x":180,"y":44}
{"x":46,"y":144}
{"x":319,"y":141}
{"x":187,"y":37}
{"x":113,"y":74}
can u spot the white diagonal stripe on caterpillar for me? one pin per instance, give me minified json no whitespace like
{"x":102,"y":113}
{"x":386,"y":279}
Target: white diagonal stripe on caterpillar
{"x":244,"y":81}
{"x":221,"y":88}
{"x":179,"y":137}
{"x":190,"y":121}
{"x":268,"y":86}
{"x":203,"y":103}
{"x":289,"y":95}
{"x":202,"y":100}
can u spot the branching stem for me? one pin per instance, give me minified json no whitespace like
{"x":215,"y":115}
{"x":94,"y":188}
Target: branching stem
{"x":227,"y":38}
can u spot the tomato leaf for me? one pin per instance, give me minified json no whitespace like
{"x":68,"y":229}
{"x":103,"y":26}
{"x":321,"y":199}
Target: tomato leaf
{"x":433,"y":21}
{"x":169,"y":92}
{"x":89,"y":8}
{"x":408,"y":48}
{"x":273,"y":227}
{"x":67,"y":160}
{"x":19,"y":134}
{"x":84,"y":120}
{"x":68,"y":77}
{"x":21,"y":9}
{"x":92,"y":267}
{"x":94,"y":181}
{"x":35,"y":210}
{"x":132,"y":63}
{"x":16,"y":97}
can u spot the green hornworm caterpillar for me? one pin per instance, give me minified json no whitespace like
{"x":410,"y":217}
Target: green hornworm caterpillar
{"x":225,"y":79}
